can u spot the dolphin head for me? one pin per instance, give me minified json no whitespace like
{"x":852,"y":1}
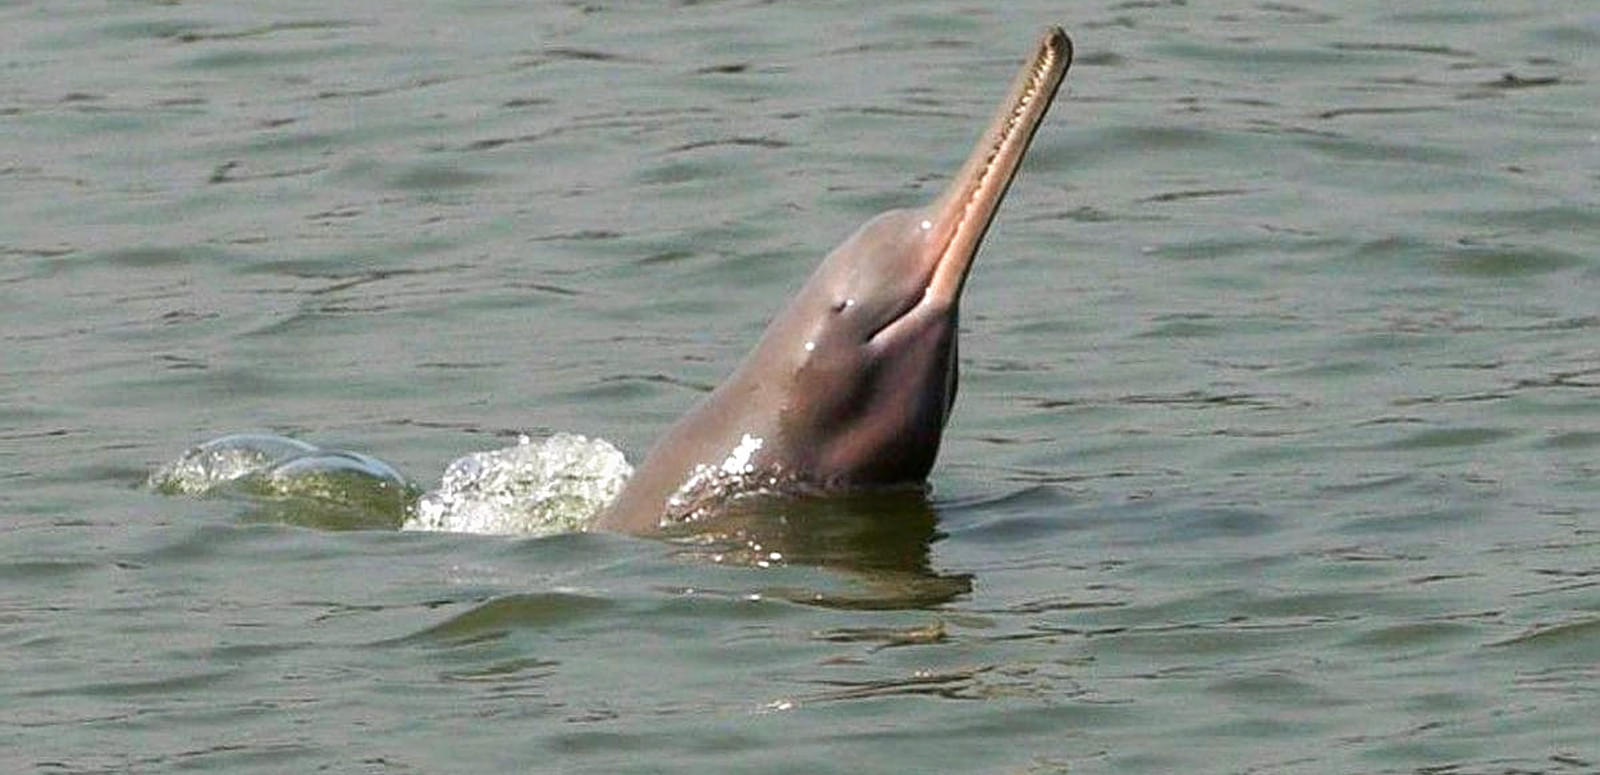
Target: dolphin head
{"x":870,"y":341}
{"x":851,"y":385}
{"x":873,"y":366}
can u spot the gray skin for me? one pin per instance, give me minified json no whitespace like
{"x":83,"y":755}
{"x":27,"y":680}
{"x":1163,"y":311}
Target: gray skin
{"x":851,"y":385}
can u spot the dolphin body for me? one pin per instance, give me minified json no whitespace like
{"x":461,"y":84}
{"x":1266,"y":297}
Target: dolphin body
{"x":851,"y":385}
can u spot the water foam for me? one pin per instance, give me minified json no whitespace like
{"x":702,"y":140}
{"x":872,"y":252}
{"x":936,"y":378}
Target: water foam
{"x":532,"y":488}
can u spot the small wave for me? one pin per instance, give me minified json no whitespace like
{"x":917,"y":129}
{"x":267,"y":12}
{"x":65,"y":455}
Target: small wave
{"x":200,"y":469}
{"x":533,"y":488}
{"x":291,"y":481}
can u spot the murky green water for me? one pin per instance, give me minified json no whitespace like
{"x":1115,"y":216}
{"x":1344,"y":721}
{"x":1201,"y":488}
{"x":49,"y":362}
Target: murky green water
{"x":1276,"y":449}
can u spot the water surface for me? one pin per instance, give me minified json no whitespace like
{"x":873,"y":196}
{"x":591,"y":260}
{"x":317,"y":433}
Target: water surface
{"x":1275,"y":451}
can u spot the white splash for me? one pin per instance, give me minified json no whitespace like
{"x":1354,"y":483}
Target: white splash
{"x":738,"y":461}
{"x":708,"y":483}
{"x":533,"y":488}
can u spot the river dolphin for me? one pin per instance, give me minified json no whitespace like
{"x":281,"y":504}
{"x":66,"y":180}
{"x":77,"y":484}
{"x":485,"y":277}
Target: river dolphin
{"x":851,"y":385}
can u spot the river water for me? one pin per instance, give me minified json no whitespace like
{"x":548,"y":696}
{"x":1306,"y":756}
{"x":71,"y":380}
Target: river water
{"x":1278,"y":445}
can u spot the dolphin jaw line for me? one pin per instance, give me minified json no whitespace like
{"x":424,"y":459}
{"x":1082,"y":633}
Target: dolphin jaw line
{"x":981,"y":195}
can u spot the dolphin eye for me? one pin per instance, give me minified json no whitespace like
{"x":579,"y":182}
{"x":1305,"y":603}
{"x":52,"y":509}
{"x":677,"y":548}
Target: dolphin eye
{"x":843,"y":304}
